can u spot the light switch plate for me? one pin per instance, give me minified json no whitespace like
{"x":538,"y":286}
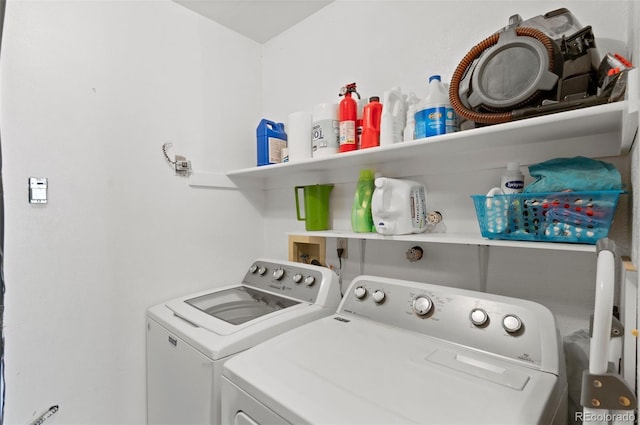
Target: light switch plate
{"x":38,"y":190}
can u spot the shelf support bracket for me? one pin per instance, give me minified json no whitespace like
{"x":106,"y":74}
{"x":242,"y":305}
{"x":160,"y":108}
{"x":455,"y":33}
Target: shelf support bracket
{"x":363,"y":246}
{"x":483,"y":266}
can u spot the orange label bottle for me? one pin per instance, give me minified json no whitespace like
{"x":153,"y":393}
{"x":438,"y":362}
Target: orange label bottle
{"x":371,"y":123}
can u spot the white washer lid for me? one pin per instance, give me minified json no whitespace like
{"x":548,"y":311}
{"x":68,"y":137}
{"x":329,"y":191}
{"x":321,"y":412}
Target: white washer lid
{"x":358,"y":372}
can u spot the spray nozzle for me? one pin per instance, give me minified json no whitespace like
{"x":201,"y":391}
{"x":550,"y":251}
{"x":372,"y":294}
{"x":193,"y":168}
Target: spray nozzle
{"x":349,"y":88}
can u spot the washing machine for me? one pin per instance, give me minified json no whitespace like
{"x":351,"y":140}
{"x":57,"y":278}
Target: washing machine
{"x":190,"y":338}
{"x":400,"y":352}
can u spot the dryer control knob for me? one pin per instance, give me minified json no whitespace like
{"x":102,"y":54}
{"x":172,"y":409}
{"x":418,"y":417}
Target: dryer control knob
{"x":310,"y":280}
{"x":360,"y":292}
{"x":278,"y":274}
{"x":297,"y":278}
{"x":511,"y":323}
{"x":262,"y":270}
{"x":378,"y":296}
{"x":253,"y":269}
{"x":478,"y":317}
{"x":422,"y":305}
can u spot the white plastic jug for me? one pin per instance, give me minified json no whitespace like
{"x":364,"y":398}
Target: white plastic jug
{"x":393,"y":118}
{"x":399,"y":207}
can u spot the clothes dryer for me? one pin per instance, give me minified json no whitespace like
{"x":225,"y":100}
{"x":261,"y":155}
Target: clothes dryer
{"x":190,"y":338}
{"x":399,"y":352}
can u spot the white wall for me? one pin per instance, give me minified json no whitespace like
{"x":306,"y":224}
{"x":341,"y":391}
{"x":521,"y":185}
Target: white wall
{"x":400,"y":43}
{"x":90,"y":92}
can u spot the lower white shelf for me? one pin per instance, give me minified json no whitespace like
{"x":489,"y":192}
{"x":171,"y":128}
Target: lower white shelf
{"x":449,"y":238}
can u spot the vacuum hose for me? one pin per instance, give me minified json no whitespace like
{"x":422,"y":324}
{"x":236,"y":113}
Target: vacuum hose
{"x":474,"y":53}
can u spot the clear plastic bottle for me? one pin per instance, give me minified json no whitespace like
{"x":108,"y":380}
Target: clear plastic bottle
{"x":361,"y":218}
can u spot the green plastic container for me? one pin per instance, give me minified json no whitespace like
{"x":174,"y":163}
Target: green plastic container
{"x":316,"y":206}
{"x":361,"y":219}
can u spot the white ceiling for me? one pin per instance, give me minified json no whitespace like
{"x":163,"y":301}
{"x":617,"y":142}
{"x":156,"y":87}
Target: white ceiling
{"x":259,"y":20}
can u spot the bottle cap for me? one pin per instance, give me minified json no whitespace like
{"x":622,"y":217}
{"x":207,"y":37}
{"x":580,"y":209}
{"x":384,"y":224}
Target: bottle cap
{"x":434,"y":77}
{"x":513,"y":166}
{"x":366,"y":174}
{"x":374,"y":99}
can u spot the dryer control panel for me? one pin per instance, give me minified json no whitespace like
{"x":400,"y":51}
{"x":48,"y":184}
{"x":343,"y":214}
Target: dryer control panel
{"x":514,"y":328}
{"x":304,"y":282}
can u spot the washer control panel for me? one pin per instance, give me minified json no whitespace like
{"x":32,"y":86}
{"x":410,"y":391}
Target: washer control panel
{"x":304,"y":282}
{"x":518,"y":329}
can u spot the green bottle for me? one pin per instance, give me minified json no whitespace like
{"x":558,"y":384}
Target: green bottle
{"x":361,"y":219}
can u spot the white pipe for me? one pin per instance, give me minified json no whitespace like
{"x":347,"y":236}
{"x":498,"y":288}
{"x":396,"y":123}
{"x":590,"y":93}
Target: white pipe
{"x":599,"y":346}
{"x":599,"y":349}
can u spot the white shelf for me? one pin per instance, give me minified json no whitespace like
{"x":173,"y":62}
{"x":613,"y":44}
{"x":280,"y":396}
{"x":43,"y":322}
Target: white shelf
{"x":450,"y":238}
{"x":598,"y":131}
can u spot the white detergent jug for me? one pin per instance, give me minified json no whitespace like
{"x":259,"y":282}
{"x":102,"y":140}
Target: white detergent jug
{"x":399,"y":207}
{"x":393,"y":118}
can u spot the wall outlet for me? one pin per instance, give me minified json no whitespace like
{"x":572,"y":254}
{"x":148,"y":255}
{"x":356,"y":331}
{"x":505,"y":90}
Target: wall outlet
{"x":341,"y":243}
{"x":182,"y":166}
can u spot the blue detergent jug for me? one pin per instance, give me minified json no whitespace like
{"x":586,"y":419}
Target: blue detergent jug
{"x":271,"y":139}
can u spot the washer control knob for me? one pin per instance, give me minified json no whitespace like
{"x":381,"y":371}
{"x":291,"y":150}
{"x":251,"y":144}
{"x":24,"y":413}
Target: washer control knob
{"x":262,"y":270}
{"x":297,"y":278}
{"x":378,"y":296}
{"x":310,"y":280}
{"x":360,"y":292}
{"x":253,"y":269}
{"x":278,"y":274}
{"x":478,"y":317}
{"x":422,"y":305}
{"x":511,"y":323}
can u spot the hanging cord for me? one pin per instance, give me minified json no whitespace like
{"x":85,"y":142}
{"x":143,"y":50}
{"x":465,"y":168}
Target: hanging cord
{"x":164,"y":151}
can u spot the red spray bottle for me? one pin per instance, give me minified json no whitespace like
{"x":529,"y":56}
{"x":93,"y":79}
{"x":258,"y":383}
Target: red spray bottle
{"x":348,"y":116}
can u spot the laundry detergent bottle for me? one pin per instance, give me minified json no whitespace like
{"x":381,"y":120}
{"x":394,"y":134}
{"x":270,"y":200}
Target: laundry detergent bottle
{"x":371,"y":123}
{"x":361,"y":218}
{"x":399,"y":207}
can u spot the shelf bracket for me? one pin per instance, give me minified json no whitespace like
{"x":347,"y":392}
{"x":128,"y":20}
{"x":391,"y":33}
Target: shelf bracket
{"x":363,"y":246}
{"x":483,"y":266}
{"x":212,"y":180}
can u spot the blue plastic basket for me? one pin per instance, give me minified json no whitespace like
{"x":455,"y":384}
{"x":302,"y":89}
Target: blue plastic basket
{"x":573,"y":217}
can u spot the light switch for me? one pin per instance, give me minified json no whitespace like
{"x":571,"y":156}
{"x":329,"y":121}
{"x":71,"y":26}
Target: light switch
{"x":37,"y":190}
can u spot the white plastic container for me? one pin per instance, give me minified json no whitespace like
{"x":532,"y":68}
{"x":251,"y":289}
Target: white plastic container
{"x":432,"y":112}
{"x":299,"y":135}
{"x":399,"y":207}
{"x":512,"y":179}
{"x":409,"y":132}
{"x":325,"y":131}
{"x":394,"y":117}
{"x":410,"y":129}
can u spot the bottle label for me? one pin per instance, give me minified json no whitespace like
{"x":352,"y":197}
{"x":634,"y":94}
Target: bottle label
{"x":275,"y":149}
{"x":431,"y":122}
{"x":418,"y":207}
{"x":347,"y":133}
{"x":451,"y":121}
{"x":325,"y":135}
{"x":512,"y":186}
